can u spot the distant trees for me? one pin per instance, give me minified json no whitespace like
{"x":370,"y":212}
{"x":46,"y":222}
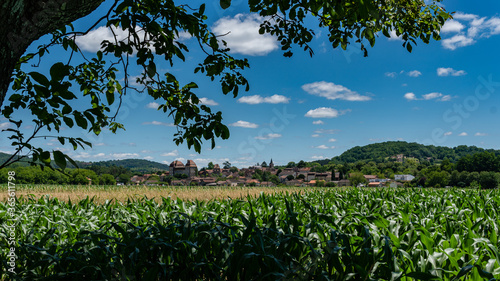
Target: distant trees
{"x":357,"y":178}
{"x":226,"y":165}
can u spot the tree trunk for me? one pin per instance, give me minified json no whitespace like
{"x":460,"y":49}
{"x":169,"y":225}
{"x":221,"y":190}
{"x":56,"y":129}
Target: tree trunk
{"x":24,"y":21}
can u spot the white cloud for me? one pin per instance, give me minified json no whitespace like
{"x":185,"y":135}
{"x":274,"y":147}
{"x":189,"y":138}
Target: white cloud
{"x":207,"y":101}
{"x":324,"y":147}
{"x":173,"y":153}
{"x":149,"y":158}
{"x":332,"y":140}
{"x":442,"y":71}
{"x":462,"y":16}
{"x":4,"y":125}
{"x":448,"y":133}
{"x":268,"y":136}
{"x":431,"y":96}
{"x":452,"y":26}
{"x":257,"y":99}
{"x":410,"y":96}
{"x":478,"y":134}
{"x":391,"y":74}
{"x":463,"y":134}
{"x":244,"y":124}
{"x":316,"y":135}
{"x":241,"y":33}
{"x":324,"y":131}
{"x":445,"y":98}
{"x":124,"y":155}
{"x":324,"y":112}
{"x":457,"y":41}
{"x":332,"y":91}
{"x":153,"y":105}
{"x":394,"y":36}
{"x":414,"y":73}
{"x":319,"y":122}
{"x":318,"y":157}
{"x":158,"y":123}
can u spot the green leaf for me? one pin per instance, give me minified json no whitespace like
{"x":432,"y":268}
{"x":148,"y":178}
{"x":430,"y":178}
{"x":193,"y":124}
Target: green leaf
{"x":151,"y":69}
{"x":110,"y":96}
{"x":60,"y":159}
{"x":80,"y":120}
{"x":224,"y":4}
{"x":58,"y":71}
{"x":463,"y":271}
{"x":45,"y":157}
{"x":40,"y":78}
{"x":422,"y":276}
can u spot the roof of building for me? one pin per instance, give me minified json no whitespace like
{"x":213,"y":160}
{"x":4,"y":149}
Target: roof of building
{"x":176,"y":163}
{"x":190,"y":163}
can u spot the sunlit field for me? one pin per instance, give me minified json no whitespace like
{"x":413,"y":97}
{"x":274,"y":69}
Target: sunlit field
{"x":198,"y":233}
{"x":102,"y":194}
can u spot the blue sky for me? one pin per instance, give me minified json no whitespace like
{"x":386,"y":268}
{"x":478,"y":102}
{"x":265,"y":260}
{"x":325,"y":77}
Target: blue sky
{"x":303,"y":108}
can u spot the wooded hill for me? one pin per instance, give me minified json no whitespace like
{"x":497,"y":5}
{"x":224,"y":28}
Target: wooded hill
{"x":381,"y":152}
{"x":135,"y":165}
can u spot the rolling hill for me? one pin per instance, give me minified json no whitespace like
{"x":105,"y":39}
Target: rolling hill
{"x":379,"y":152}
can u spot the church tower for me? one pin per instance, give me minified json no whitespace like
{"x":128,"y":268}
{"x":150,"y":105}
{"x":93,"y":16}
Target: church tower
{"x":271,"y":164}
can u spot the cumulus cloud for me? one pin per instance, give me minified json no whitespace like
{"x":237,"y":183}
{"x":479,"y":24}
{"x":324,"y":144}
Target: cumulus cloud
{"x":318,"y":157}
{"x":391,"y":74}
{"x":463,"y":134}
{"x":315,"y":135}
{"x":257,"y":99}
{"x":173,"y":153}
{"x":332,"y":91}
{"x":394,"y":36}
{"x":469,"y":28}
{"x":91,"y":42}
{"x":124,"y":155}
{"x":324,"y":147}
{"x":478,"y":134}
{"x":448,"y":133}
{"x":414,"y":73}
{"x":241,"y":33}
{"x":324,"y":112}
{"x":410,"y":96}
{"x":457,"y":41}
{"x":442,"y":71}
{"x":153,"y":105}
{"x":207,"y":101}
{"x":319,"y":122}
{"x":268,"y":136}
{"x":452,"y":26}
{"x":158,"y":123}
{"x":430,"y":96}
{"x":4,"y":125}
{"x":244,"y":124}
{"x":332,"y":140}
{"x":437,"y":96}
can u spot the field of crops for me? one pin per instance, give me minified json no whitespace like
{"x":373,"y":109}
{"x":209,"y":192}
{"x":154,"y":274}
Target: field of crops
{"x":348,"y":234}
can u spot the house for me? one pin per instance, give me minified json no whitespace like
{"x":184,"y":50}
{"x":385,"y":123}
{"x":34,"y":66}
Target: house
{"x":310,"y":176}
{"x":371,"y":178}
{"x":376,"y":184}
{"x":176,"y":168}
{"x":267,"y":183}
{"x":343,"y":182}
{"x":323,"y":176}
{"x":403,"y":177}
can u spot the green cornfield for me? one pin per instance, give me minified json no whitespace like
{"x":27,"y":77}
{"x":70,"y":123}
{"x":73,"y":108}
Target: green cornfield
{"x":325,"y":234}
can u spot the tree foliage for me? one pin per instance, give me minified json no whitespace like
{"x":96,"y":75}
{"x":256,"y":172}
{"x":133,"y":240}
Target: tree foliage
{"x":153,"y":29}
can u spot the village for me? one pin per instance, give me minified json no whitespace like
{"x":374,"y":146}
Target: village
{"x":180,"y":174}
